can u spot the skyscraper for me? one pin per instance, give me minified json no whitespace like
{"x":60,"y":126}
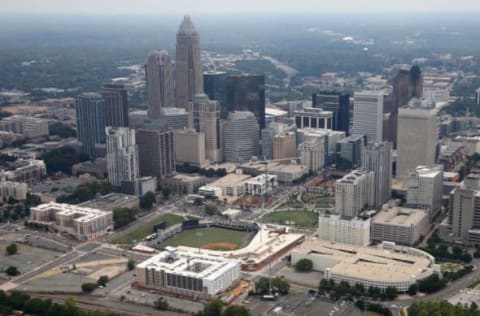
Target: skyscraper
{"x":339,"y":104}
{"x":368,"y":115}
{"x":115,"y":97}
{"x":464,"y":216}
{"x":353,"y":193}
{"x":377,"y":157}
{"x":215,"y":86}
{"x":188,"y":65}
{"x":159,"y":75}
{"x":156,"y":151}
{"x":425,"y":189}
{"x":122,"y":155}
{"x":90,"y":109}
{"x":241,"y":140}
{"x":247,"y":93}
{"x":407,"y":84}
{"x":204,"y":117}
{"x":417,"y":136}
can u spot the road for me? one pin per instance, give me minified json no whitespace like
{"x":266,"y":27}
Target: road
{"x":92,"y":303}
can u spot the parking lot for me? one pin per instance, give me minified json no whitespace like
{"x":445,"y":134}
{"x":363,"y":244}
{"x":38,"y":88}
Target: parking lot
{"x":26,"y":258}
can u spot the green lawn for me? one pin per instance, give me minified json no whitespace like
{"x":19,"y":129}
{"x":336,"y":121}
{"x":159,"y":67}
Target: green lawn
{"x":302,"y":219}
{"x":201,"y":236}
{"x":147,"y":229}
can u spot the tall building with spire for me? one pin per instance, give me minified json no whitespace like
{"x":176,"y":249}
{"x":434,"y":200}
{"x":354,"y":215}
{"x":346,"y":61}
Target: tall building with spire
{"x":159,"y":76}
{"x":188,"y":65}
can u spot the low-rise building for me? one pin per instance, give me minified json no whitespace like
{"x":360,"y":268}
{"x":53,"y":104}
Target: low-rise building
{"x":261,"y":184}
{"x":386,"y":265}
{"x":399,"y":225}
{"x":230,"y":185}
{"x":27,"y":170}
{"x":188,"y":273}
{"x":286,"y":173}
{"x":185,"y":183}
{"x":111,"y":201}
{"x":354,"y":231}
{"x":16,"y":190}
{"x":83,"y":223}
{"x":30,"y":127}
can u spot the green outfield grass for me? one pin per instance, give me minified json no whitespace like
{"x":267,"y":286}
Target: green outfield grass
{"x":302,"y":219}
{"x":201,"y":236}
{"x":147,"y":229}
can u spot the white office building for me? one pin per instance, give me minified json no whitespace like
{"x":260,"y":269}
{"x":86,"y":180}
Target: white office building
{"x":417,"y":136}
{"x":122,"y":155}
{"x":241,"y":136}
{"x":352,"y":231}
{"x":354,"y":192}
{"x":425,"y":189}
{"x":368,"y":115}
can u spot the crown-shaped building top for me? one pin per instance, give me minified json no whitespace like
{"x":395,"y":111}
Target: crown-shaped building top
{"x":187,"y":27}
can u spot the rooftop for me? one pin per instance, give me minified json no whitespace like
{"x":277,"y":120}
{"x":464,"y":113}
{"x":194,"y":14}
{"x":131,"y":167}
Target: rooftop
{"x":399,"y":216}
{"x":371,"y":263}
{"x":188,"y":263}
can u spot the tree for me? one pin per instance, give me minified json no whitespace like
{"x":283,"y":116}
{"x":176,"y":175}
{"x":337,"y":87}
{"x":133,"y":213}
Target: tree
{"x":88,"y":287}
{"x":102,"y":281}
{"x":236,"y":310}
{"x":12,"y":249}
{"x":12,"y":271}
{"x":211,"y":209}
{"x":166,"y":192}
{"x":214,"y":308}
{"x":147,"y":200}
{"x":123,"y":216}
{"x":12,"y":201}
{"x":61,"y":130}
{"x":391,"y":293}
{"x":412,"y":289}
{"x":304,"y":265}
{"x":130,"y":264}
{"x":161,"y":304}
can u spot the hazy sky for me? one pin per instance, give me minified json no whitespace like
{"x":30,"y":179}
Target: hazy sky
{"x":229,"y":6}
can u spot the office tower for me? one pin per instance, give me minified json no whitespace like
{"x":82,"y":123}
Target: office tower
{"x":407,"y":84}
{"x":354,"y":192}
{"x":191,"y":147}
{"x":464,"y":216}
{"x":122,"y":155}
{"x":269,"y":132}
{"x":425,"y":189}
{"x":247,"y":93}
{"x":417,"y":136}
{"x":156,"y":151}
{"x":215,"y":86}
{"x":338,"y":104}
{"x":377,"y":157}
{"x":188,"y":65}
{"x":284,"y":145}
{"x":137,"y":118}
{"x":351,"y":149}
{"x":174,"y":118}
{"x":159,"y":76}
{"x":477,"y":95}
{"x":90,"y":109}
{"x":331,"y":139}
{"x":204,"y":117}
{"x":368,"y":115}
{"x":241,"y":136}
{"x":115,"y":97}
{"x":312,"y":153}
{"x":313,"y":118}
